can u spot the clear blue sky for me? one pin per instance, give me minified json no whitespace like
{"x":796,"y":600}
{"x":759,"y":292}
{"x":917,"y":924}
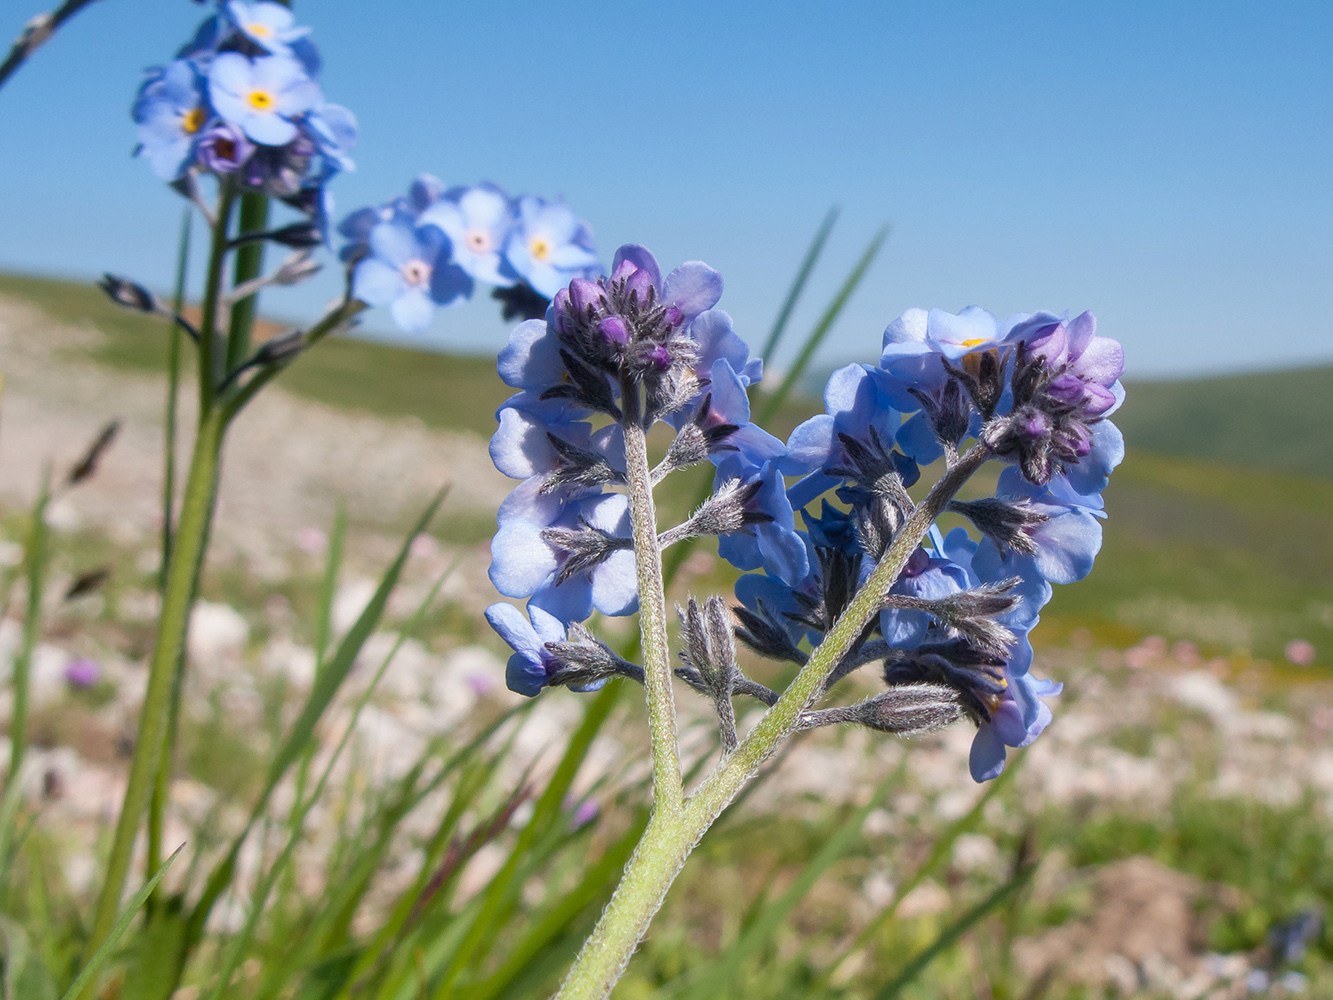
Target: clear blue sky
{"x":1169,"y":166}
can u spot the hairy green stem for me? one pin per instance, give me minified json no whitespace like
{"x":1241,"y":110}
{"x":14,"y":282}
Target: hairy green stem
{"x":186,"y":556}
{"x":667,"y":791}
{"x":668,"y":840}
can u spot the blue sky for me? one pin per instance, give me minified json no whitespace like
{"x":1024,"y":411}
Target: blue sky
{"x":1169,"y":166}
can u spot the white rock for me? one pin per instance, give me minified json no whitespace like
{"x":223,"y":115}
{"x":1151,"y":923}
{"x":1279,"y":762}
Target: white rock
{"x":217,"y":631}
{"x":975,"y":852}
{"x":284,"y":658}
{"x":1205,"y":693}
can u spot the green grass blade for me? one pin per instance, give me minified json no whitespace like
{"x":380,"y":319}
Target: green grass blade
{"x":798,"y":283}
{"x":118,"y":929}
{"x":950,"y":935}
{"x":329,"y":584}
{"x":35,"y":559}
{"x":321,"y":695}
{"x":237,"y":947}
{"x":939,"y":852}
{"x":476,"y":942}
{"x":475,"y":775}
{"x":596,"y":885}
{"x":772,"y":404}
{"x":714,"y":980}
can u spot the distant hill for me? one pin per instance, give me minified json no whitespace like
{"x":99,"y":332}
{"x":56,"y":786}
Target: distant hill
{"x":1278,"y":419}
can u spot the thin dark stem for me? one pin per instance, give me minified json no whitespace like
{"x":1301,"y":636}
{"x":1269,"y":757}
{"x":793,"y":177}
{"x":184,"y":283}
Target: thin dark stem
{"x":36,"y":33}
{"x":754,"y":689}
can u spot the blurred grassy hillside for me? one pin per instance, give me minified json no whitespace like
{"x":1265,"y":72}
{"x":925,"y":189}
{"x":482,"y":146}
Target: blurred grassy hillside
{"x":1270,"y":419}
{"x":1221,"y":519}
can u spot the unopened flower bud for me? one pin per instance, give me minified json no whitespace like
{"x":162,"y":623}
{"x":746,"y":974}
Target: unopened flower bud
{"x":298,"y":236}
{"x":615,"y":330}
{"x":127,"y":293}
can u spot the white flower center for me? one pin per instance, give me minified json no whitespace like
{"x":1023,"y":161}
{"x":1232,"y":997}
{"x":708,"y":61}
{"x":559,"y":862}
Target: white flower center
{"x":416,"y":273}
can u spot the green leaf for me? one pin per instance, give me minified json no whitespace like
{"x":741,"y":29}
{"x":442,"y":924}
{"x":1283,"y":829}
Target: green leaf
{"x":950,"y":935}
{"x":25,"y":977}
{"x":122,"y":923}
{"x":773,"y":403}
{"x":798,"y":283}
{"x":714,"y":981}
{"x":939,"y":853}
{"x":148,"y":976}
{"x":326,"y":686}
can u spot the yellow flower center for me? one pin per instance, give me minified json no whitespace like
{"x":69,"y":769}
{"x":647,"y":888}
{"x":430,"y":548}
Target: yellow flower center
{"x":973,"y":342}
{"x":478,"y":241}
{"x":192,"y":121}
{"x":259,"y":30}
{"x":260,"y":100}
{"x":416,"y":273}
{"x":539,"y":249}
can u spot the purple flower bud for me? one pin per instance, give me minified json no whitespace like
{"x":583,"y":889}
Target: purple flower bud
{"x":1067,"y":389}
{"x":1050,"y":342}
{"x":659,"y":357}
{"x":1034,"y":424}
{"x":224,"y":149}
{"x":563,"y":305}
{"x":83,"y":673}
{"x":584,"y":293}
{"x":614,"y":329}
{"x":624,"y":269}
{"x":640,"y":283}
{"x":673,"y":316}
{"x":917,"y":563}
{"x":1097,"y":399}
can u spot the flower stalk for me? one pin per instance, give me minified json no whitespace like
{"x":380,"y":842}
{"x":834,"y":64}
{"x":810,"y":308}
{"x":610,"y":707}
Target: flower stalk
{"x":667,"y":791}
{"x":150,"y":741}
{"x":668,"y":840}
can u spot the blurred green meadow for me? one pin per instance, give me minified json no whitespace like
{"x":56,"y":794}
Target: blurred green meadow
{"x":1178,"y":812}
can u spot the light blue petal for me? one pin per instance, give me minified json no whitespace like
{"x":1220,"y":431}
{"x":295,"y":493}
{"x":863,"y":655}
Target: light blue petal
{"x":809,"y":449}
{"x":376,"y":283}
{"x":531,"y":360}
{"x":513,"y":627}
{"x":412,"y":311}
{"x":520,"y":560}
{"x":615,"y":585}
{"x":642,"y":258}
{"x":692,"y":288}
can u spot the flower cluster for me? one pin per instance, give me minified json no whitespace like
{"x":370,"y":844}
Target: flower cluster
{"x":614,"y":355}
{"x":241,"y":101}
{"x":430,"y":247}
